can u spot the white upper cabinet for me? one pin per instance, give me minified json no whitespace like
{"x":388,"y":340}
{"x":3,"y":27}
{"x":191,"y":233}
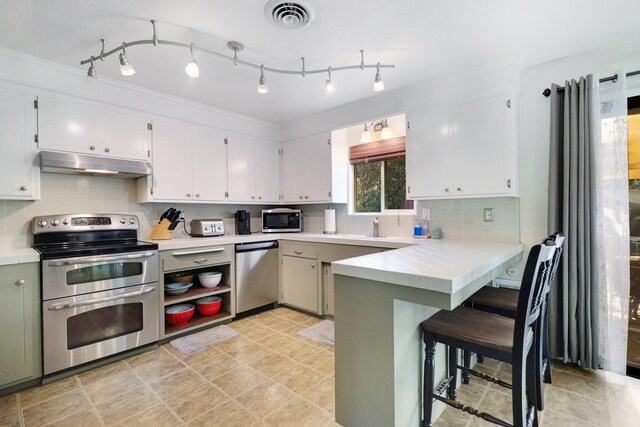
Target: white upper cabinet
{"x":84,"y":127}
{"x":306,"y":170}
{"x":209,"y":162}
{"x":19,"y":172}
{"x":254,"y":172}
{"x":466,"y":150}
{"x":189,"y":164}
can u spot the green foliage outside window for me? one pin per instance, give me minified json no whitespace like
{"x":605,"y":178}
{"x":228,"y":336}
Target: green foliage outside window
{"x":369,"y":189}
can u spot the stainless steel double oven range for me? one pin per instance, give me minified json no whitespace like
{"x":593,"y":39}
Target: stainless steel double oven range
{"x":99,"y":287}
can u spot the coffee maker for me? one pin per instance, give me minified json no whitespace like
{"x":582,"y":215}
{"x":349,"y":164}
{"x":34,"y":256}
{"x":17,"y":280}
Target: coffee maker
{"x":243,"y":222}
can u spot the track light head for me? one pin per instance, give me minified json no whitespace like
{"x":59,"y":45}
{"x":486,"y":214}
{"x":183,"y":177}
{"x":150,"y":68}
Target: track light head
{"x":192,"y":68}
{"x":91,"y":72}
{"x":378,"y":84}
{"x":126,"y":69}
{"x":262,"y":82}
{"x":329,"y":86}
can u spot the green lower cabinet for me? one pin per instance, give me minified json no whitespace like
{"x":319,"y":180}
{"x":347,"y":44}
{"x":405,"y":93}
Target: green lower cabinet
{"x":20,"y":325}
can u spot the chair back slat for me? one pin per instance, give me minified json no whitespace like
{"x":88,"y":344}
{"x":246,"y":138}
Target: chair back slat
{"x":536,"y":275}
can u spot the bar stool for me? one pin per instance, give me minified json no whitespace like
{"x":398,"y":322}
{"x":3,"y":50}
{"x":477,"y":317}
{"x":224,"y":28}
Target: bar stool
{"x":507,"y":340}
{"x":504,"y":302}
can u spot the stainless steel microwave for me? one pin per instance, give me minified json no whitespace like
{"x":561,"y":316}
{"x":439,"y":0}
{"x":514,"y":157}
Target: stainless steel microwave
{"x":282,"y":221}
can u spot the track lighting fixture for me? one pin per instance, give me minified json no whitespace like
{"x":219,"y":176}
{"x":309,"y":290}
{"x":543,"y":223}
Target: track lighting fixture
{"x":126,"y":69}
{"x":92,"y":70}
{"x":378,"y":84}
{"x":192,"y":69}
{"x":329,"y":85}
{"x":262,"y":82}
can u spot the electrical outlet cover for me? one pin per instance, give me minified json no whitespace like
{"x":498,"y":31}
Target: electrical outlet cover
{"x":488,"y":214}
{"x":426,"y":214}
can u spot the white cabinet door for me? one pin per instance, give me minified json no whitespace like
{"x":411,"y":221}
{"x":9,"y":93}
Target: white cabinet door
{"x":19,"y":177}
{"x":430,"y":154}
{"x":171,"y":160}
{"x":300,"y":283}
{"x":126,"y":135}
{"x":293,"y":172}
{"x":317,"y":170}
{"x":483,"y":143}
{"x":66,"y":125}
{"x":242,"y":171}
{"x":209,"y":164}
{"x":267,"y":172}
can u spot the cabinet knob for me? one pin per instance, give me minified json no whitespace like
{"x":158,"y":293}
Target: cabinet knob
{"x":93,"y":147}
{"x":106,"y":150}
{"x":23,"y":188}
{"x":446,"y":190}
{"x":459,"y":188}
{"x":253,"y":197}
{"x":508,"y":183}
{"x":259,"y":197}
{"x":197,"y":194}
{"x":300,"y":197}
{"x":306,"y":197}
{"x":19,"y":282}
{"x":313,"y":266}
{"x":188,"y":194}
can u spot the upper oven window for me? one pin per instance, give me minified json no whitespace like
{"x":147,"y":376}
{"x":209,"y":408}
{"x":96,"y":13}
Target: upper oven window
{"x":102,"y":272}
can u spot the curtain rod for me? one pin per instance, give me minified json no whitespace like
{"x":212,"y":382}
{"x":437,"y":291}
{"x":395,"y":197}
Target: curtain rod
{"x":547,"y":91}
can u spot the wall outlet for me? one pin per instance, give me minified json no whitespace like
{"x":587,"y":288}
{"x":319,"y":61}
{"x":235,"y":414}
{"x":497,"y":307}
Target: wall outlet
{"x":426,"y":214}
{"x":488,"y":214}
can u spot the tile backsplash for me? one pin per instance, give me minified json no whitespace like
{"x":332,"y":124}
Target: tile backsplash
{"x":458,"y":219}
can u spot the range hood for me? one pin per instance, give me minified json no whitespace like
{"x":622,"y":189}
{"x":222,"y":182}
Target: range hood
{"x":85,"y":164}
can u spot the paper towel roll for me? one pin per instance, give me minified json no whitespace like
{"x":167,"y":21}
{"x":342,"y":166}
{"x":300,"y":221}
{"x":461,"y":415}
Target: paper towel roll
{"x":329,"y":221}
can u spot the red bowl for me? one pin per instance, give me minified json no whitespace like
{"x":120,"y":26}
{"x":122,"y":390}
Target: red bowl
{"x":208,"y":306}
{"x":178,"y":315}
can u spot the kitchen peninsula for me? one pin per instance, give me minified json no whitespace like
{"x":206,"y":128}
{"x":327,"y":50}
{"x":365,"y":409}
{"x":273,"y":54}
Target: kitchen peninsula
{"x":380,"y":301}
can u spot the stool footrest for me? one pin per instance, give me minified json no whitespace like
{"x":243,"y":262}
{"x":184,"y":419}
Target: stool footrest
{"x":443,"y":386}
{"x":469,"y":410}
{"x":485,"y":377}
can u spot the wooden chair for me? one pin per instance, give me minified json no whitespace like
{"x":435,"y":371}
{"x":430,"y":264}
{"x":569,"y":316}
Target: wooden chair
{"x":504,"y":302}
{"x":507,"y":340}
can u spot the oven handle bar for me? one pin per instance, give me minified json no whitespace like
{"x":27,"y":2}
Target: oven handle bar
{"x":99,"y":300}
{"x":201,"y":251}
{"x":93,"y":260}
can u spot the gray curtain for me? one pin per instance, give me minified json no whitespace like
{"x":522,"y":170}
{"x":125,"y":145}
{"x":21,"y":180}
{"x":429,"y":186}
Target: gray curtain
{"x":573,"y":301}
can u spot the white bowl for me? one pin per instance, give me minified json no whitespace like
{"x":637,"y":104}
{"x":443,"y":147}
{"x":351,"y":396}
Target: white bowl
{"x":210,"y":279}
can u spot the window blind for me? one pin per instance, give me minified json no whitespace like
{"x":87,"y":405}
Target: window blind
{"x":377,"y":151}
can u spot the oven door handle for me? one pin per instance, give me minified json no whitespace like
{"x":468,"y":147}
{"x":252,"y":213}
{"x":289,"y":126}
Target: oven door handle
{"x":93,"y":260}
{"x":99,"y":300}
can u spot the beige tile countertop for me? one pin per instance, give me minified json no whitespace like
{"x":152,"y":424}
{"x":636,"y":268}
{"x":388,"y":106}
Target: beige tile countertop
{"x":438,"y":265}
{"x":343,"y":239}
{"x":18,"y":256}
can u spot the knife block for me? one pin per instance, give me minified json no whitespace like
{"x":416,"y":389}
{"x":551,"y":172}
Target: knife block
{"x":161,"y":231}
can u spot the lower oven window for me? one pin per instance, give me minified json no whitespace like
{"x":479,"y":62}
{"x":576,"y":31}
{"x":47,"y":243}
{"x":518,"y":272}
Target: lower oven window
{"x":103,"y":323}
{"x":98,"y":273}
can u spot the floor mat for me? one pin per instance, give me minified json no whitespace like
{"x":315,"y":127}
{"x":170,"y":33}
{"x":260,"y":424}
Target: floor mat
{"x":196,"y":342}
{"x":322,"y":332}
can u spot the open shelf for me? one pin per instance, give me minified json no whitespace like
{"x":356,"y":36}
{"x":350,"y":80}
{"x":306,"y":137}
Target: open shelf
{"x":194,"y":293}
{"x":196,"y":320}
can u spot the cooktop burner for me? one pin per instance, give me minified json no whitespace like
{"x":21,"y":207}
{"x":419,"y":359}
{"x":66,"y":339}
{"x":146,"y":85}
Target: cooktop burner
{"x":76,"y":235}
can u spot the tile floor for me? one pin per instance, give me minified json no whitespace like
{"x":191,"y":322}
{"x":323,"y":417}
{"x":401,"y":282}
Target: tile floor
{"x":270,"y":376}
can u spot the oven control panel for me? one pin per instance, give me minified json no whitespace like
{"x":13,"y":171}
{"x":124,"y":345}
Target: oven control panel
{"x":84,"y":222}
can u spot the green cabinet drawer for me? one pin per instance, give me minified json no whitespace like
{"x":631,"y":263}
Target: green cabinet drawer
{"x":181,"y":259}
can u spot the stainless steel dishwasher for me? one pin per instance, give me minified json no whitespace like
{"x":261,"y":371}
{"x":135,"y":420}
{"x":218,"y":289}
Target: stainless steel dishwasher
{"x":256,"y":275}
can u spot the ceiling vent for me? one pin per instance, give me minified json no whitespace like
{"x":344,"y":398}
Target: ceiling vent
{"x":289,"y":14}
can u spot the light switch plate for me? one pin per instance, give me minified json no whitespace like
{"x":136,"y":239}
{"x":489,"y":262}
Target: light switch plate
{"x":488,"y":214}
{"x":426,"y":214}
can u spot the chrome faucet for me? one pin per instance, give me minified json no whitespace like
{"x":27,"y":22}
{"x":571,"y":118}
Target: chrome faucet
{"x":375,"y":227}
